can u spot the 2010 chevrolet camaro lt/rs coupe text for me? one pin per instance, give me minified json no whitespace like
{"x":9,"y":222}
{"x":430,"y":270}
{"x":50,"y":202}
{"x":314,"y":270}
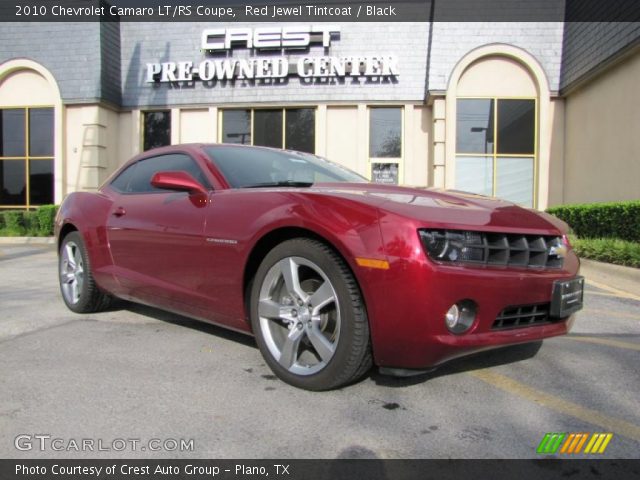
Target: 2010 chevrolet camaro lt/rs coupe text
{"x":330,"y":273}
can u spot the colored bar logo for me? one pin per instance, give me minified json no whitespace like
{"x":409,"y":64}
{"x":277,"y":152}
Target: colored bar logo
{"x":572,"y":443}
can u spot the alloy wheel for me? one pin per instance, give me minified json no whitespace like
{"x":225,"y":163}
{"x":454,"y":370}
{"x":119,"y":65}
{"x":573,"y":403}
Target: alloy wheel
{"x":299,"y":315}
{"x":71,"y":272}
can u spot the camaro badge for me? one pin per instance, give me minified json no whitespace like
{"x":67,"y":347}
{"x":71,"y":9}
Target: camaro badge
{"x":222,"y":240}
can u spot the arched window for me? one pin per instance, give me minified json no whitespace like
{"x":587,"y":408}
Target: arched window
{"x":27,"y":137}
{"x":494,"y":145}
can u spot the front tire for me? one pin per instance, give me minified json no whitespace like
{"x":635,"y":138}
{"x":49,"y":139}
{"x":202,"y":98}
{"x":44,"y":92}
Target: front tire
{"x":79,"y":291}
{"x":308,"y":316}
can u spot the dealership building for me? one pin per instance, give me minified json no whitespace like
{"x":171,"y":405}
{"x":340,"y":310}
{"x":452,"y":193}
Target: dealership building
{"x":540,"y":113}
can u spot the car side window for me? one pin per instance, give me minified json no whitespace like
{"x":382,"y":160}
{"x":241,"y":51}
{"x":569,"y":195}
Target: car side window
{"x":121,"y":182}
{"x":140,"y":181}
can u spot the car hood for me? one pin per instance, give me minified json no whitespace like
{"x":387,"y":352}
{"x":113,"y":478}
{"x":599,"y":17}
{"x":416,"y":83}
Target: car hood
{"x":439,"y":208}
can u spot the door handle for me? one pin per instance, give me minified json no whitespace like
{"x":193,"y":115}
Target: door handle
{"x":118,"y":212}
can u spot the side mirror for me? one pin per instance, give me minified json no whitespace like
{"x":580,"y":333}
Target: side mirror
{"x":180,"y":181}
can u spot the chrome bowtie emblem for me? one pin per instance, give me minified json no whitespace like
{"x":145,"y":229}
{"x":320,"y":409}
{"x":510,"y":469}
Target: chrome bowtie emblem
{"x":558,"y":251}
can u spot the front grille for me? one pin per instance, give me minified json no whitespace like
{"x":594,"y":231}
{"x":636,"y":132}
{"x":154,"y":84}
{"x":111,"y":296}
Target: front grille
{"x":520,"y":250}
{"x":523,"y":316}
{"x":487,"y":248}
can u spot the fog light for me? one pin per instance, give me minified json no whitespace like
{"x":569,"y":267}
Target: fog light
{"x":460,"y":316}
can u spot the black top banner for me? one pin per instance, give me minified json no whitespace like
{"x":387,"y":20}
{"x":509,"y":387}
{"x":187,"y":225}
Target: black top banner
{"x":320,"y":11}
{"x":319,"y":469}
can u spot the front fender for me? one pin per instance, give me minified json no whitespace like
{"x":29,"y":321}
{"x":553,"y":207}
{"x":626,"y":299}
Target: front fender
{"x":238,"y":220}
{"x":87,"y":212}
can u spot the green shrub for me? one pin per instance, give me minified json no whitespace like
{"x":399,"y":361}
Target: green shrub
{"x":14,"y":221}
{"x":602,"y":220}
{"x":46,"y":218}
{"x":36,"y":223}
{"x":30,"y":222}
{"x":610,"y":250}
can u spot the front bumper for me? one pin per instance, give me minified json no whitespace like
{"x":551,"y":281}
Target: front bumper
{"x":407,"y":306}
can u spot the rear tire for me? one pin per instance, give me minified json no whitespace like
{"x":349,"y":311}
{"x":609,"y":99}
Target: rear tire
{"x":308,"y":316}
{"x":79,"y":290}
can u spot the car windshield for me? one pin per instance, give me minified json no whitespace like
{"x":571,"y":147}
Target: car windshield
{"x":246,"y":167}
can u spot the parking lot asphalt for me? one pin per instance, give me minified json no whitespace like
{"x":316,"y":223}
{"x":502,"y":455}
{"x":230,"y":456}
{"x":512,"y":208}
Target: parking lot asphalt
{"x":138,"y":374}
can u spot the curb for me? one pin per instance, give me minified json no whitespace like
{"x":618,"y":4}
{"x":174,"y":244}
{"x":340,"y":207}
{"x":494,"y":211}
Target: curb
{"x":27,"y":240}
{"x":626,"y":279}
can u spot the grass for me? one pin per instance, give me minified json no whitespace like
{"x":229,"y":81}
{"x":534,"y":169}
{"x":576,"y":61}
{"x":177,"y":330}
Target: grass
{"x":12,"y":232}
{"x":23,"y":232}
{"x":609,"y":250}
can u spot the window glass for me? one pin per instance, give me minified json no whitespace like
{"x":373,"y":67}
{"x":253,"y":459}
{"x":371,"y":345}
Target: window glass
{"x":474,"y":126}
{"x":12,"y":132}
{"x":19,"y":145}
{"x":495,"y":142}
{"x":267,"y":126}
{"x":157,"y":129}
{"x":516,"y":126}
{"x":41,"y":132}
{"x":121,"y":182}
{"x":244,"y":167}
{"x":300,"y":133}
{"x":514,"y":180}
{"x":236,"y":126}
{"x":13,"y":184}
{"x":475,"y":175}
{"x":40,"y":182}
{"x":140,"y":181}
{"x":385,"y":132}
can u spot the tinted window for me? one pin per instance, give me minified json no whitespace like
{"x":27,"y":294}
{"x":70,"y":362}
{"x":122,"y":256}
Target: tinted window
{"x":41,"y":132}
{"x":121,"y":182}
{"x":40,"y":182}
{"x":26,"y":156}
{"x":140,"y":181}
{"x":236,"y":126}
{"x":474,"y":126}
{"x":157,"y":129}
{"x":385,"y":128}
{"x":267,"y":126}
{"x":245,"y":166}
{"x":12,"y":133}
{"x":516,"y":126}
{"x":301,"y":129}
{"x":13,"y":185}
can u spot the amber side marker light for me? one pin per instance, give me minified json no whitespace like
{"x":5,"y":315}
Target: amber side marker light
{"x":372,"y":263}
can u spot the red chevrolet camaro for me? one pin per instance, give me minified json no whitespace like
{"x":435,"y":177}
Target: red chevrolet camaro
{"x":330,"y":273}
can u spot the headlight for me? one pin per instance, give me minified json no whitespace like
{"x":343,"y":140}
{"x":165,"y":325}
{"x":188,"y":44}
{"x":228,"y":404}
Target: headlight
{"x":453,"y":246}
